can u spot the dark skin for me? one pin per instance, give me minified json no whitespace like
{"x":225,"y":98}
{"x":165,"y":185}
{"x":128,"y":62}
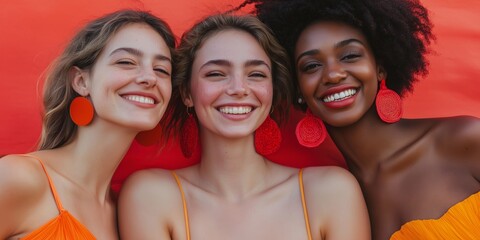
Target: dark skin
{"x":408,"y":170}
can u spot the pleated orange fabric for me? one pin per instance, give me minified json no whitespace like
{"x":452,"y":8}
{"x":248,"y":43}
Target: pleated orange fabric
{"x":462,"y":221}
{"x":64,"y":226}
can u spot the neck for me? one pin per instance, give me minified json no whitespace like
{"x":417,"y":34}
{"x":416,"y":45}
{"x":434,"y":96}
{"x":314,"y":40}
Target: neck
{"x":91,"y":159}
{"x":369,"y":144}
{"x":232,"y":167}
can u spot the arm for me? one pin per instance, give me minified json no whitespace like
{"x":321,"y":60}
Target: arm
{"x":341,"y":207}
{"x":21,"y":185}
{"x":146,"y":204}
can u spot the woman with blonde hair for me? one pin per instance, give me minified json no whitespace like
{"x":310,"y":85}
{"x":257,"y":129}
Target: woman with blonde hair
{"x":112,"y":81}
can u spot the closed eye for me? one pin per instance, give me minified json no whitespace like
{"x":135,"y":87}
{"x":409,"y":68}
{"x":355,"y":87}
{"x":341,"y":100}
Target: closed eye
{"x":310,"y":67}
{"x":214,"y":74}
{"x":351,"y":56}
{"x":257,"y":75}
{"x":162,"y":71}
{"x":126,"y":62}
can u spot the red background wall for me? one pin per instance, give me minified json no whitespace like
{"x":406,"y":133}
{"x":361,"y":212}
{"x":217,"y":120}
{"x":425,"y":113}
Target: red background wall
{"x":34,"y":32}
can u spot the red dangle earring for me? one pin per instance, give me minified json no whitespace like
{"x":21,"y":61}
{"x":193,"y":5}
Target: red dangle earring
{"x":268,"y":137}
{"x":81,"y":111}
{"x":189,"y":140}
{"x":389,"y":104}
{"x":310,"y":131}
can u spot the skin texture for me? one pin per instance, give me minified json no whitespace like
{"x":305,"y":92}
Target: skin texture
{"x":81,"y":171}
{"x":412,"y":169}
{"x":235,"y":193}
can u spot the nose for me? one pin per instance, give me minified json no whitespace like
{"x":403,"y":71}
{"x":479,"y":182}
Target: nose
{"x":238,"y":86}
{"x":147,"y":78}
{"x":334,"y":72}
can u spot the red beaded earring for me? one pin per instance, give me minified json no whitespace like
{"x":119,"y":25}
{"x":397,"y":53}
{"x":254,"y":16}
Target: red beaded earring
{"x":268,"y":137}
{"x":389,"y":104}
{"x":81,"y":111}
{"x":310,"y":131}
{"x":189,"y":142}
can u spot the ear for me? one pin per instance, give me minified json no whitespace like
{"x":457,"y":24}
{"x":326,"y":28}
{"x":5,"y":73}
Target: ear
{"x":381,"y":73}
{"x":188,"y":101}
{"x":80,"y":81}
{"x":187,"y":97}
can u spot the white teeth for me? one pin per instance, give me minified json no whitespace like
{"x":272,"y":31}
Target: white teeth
{"x":140,"y":99}
{"x":235,"y":110}
{"x":340,"y":96}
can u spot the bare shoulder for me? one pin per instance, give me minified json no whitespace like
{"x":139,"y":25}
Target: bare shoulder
{"x":335,"y":203}
{"x":149,"y":205}
{"x":148,"y":186}
{"x":22,"y":183}
{"x":329,"y":180}
{"x":459,"y":137}
{"x":465,"y":129}
{"x":459,"y":141}
{"x":331,"y":188}
{"x":21,"y":176}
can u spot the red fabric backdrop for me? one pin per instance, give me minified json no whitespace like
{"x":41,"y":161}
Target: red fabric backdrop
{"x":34,"y":32}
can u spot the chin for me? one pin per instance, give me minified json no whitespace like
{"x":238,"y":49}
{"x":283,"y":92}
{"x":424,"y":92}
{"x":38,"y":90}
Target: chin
{"x":341,"y":122}
{"x":142,"y":126}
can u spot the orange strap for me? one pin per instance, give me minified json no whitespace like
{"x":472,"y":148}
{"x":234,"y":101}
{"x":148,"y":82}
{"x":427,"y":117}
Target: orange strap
{"x":300,"y":181}
{"x":50,"y":182}
{"x":304,"y":204}
{"x":185,"y":212}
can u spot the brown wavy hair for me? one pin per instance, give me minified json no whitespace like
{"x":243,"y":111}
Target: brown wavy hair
{"x":194,"y":38}
{"x":82,"y":52}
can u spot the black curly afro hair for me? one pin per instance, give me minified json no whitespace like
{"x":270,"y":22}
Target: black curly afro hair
{"x":398,"y":31}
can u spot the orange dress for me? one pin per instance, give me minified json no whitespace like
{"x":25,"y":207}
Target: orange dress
{"x":462,"y":221}
{"x":64,"y":226}
{"x":302,"y":195}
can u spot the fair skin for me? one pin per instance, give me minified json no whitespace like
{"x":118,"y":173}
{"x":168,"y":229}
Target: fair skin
{"x":409,"y":170}
{"x":129,"y":87}
{"x":235,"y":193}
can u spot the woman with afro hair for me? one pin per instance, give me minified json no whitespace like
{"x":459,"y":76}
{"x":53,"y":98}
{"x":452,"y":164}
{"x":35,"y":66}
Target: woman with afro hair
{"x":353,"y":60}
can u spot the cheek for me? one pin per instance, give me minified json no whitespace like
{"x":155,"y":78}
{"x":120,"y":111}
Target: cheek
{"x":264,"y":91}
{"x":366,"y":71}
{"x":165,"y":89}
{"x":307,"y":84}
{"x":205,"y":92}
{"x":108,"y":84}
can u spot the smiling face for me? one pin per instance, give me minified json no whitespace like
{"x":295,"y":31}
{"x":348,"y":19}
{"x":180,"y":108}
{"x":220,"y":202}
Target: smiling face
{"x":130,"y":83}
{"x":231,"y":84}
{"x":336,"y":72}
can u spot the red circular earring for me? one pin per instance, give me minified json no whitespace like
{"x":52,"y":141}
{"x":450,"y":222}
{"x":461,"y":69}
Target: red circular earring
{"x":310,"y":131}
{"x":81,"y":111}
{"x":389,"y":104}
{"x":267,"y":137}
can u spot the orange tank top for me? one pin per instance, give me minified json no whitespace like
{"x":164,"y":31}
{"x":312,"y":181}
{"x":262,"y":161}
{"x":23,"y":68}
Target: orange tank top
{"x":302,"y":195}
{"x":462,"y":221}
{"x":64,"y":226}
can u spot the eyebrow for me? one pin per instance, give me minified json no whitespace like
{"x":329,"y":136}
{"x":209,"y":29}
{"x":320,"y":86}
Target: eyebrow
{"x":337,"y":45}
{"x":223,"y":62}
{"x":250,"y":63}
{"x":139,"y":53}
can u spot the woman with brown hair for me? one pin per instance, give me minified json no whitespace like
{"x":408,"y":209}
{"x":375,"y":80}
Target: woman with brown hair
{"x":112,"y":81}
{"x":233,"y":80}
